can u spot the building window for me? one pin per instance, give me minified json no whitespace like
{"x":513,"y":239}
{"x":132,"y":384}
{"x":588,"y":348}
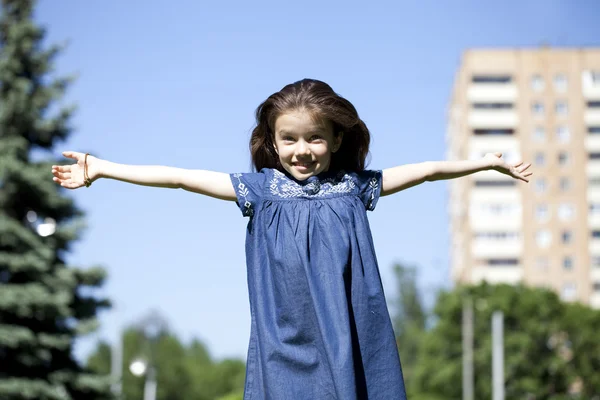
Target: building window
{"x":502,"y":262}
{"x":540,"y":185}
{"x":593,"y":104}
{"x":567,"y":237}
{"x":491,"y":79}
{"x":596,"y":287}
{"x":566,"y":211}
{"x":596,"y":261}
{"x":495,"y":210}
{"x":568,"y":263}
{"x":593,"y":130}
{"x":492,"y":106}
{"x":543,"y":238}
{"x":498,"y":236}
{"x":563,"y":158}
{"x":594,"y":156}
{"x":542,"y":213}
{"x":494,"y":131}
{"x":594,"y":181}
{"x":563,"y":134}
{"x":537,"y":83}
{"x":502,"y":183}
{"x":596,"y":234}
{"x":537,"y":109}
{"x":569,"y":291}
{"x":560,"y":82}
{"x":594,"y":208}
{"x":539,"y":134}
{"x":561,"y":108}
{"x":565,"y":184}
{"x":542,"y":263}
{"x":539,"y":159}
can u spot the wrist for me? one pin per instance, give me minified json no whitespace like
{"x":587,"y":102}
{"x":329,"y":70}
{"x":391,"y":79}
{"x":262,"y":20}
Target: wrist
{"x":489,"y":163}
{"x":96,"y":168}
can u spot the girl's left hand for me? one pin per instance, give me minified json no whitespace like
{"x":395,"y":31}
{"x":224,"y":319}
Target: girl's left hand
{"x":517,"y":170}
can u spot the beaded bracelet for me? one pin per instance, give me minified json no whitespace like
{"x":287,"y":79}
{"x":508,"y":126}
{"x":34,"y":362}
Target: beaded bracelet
{"x":87,"y":181}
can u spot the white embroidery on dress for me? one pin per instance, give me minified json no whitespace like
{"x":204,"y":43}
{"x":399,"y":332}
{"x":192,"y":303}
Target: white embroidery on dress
{"x":242,"y":190}
{"x":284,"y":187}
{"x":373,"y":185}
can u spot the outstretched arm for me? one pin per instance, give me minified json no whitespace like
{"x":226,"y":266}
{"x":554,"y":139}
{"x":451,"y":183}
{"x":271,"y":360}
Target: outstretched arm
{"x":405,"y":176}
{"x":214,"y":184}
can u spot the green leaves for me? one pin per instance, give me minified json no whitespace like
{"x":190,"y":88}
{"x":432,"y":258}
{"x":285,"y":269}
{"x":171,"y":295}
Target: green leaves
{"x":183,"y":371}
{"x":44,"y":304}
{"x":550,"y":347}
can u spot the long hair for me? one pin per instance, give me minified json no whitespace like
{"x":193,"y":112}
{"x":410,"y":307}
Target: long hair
{"x":319,"y":99}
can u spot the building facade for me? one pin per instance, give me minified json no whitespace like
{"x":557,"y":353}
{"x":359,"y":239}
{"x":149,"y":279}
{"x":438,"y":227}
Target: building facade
{"x":540,"y":106}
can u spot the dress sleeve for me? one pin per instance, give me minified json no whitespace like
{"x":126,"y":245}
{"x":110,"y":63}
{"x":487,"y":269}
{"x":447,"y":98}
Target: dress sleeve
{"x":369,"y":186}
{"x":249,"y":189}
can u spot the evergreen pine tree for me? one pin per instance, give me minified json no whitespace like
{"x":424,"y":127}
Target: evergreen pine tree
{"x":44,"y":305}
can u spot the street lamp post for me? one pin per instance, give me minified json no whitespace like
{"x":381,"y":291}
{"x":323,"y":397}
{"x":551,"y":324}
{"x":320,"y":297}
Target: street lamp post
{"x":152,"y":327}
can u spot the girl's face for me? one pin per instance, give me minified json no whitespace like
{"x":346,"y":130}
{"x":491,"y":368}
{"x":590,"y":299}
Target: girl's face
{"x":305,"y":145}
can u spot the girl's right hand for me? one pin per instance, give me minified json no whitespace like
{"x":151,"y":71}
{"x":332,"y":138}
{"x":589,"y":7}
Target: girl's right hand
{"x":72,"y":176}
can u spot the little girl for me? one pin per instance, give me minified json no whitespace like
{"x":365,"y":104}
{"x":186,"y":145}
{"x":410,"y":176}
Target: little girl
{"x":320,"y":326}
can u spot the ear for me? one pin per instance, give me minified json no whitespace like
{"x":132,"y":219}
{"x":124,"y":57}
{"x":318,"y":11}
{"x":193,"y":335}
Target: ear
{"x":337,"y":141}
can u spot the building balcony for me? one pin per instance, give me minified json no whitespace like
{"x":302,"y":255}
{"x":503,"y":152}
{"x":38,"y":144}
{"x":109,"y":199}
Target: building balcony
{"x":594,"y":246}
{"x":510,"y":275}
{"x":594,"y":221}
{"x":595,"y":300}
{"x":481,"y":144}
{"x":591,"y":93}
{"x":493,"y":119}
{"x":495,"y":194}
{"x":496,"y":248}
{"x":592,"y":143}
{"x":593,"y":194}
{"x":593,"y":167}
{"x":487,"y":92}
{"x":495,"y":223}
{"x":591,"y":117}
{"x":590,"y":86}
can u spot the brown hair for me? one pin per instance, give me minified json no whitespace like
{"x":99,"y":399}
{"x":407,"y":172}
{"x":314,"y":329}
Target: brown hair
{"x":321,"y":101}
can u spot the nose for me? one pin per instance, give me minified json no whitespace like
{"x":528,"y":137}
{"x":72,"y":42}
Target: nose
{"x":302,"y":148}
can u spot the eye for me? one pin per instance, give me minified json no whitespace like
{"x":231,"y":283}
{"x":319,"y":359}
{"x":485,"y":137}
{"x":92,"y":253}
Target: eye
{"x":315,"y":138}
{"x":287,"y":138}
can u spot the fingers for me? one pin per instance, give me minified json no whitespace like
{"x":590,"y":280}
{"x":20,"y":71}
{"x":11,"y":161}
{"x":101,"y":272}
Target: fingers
{"x":73,"y":154}
{"x":65,"y":175}
{"x":61,"y":171}
{"x":61,"y":168}
{"x":525,"y":167}
{"x":524,"y":177}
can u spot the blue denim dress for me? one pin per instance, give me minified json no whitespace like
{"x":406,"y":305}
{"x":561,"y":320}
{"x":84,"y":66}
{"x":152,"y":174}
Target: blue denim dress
{"x":320,"y":326}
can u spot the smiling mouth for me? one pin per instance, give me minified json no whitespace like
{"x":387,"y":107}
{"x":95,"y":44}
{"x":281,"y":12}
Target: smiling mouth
{"x":303,"y":164}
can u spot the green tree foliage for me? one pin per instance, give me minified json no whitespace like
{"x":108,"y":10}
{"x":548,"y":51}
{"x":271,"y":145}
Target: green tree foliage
{"x":550,"y":347}
{"x":44,"y":305}
{"x":409,"y":319}
{"x":581,"y":345}
{"x":183,"y":372}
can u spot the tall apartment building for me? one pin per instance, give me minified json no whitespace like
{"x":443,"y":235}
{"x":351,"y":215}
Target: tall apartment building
{"x":541,"y":106}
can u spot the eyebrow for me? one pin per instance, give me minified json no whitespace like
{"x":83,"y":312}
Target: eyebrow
{"x":284,"y":132}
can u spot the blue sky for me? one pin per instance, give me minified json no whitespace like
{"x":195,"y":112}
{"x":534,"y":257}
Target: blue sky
{"x":177,"y":82}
